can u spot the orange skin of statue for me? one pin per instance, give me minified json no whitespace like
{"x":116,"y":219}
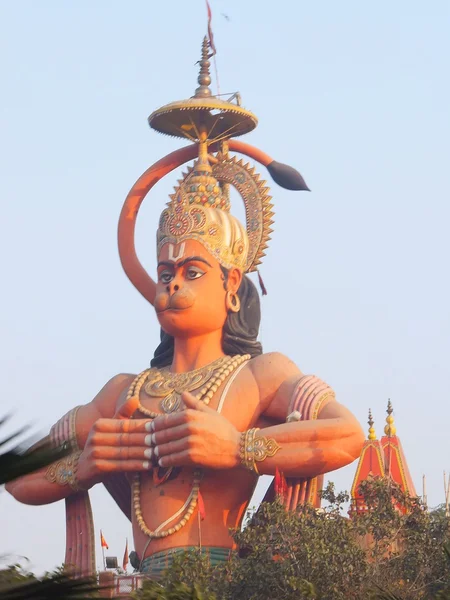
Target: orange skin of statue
{"x":192,"y":305}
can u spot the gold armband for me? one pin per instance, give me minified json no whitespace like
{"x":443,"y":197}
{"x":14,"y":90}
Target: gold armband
{"x":253,"y":449}
{"x":64,"y":471}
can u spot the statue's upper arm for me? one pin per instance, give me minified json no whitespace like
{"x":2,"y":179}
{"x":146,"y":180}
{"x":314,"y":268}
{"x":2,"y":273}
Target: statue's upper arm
{"x":334,"y":410}
{"x":106,"y":401}
{"x":103,"y":406}
{"x":276,"y":376}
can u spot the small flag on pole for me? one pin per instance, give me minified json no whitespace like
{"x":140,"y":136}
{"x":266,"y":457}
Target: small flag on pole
{"x":103,"y":541}
{"x":210,"y":33}
{"x":125,"y":557}
{"x":280,"y":484}
{"x":201,"y":507}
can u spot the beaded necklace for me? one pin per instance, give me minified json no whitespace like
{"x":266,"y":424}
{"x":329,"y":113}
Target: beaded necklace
{"x":205,"y":395}
{"x":169,"y":386}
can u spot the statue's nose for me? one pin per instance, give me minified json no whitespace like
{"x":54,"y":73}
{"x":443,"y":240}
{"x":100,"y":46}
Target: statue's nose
{"x":172,"y":288}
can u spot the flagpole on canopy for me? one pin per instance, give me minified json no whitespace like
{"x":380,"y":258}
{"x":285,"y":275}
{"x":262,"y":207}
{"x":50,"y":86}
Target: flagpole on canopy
{"x":212,"y":45}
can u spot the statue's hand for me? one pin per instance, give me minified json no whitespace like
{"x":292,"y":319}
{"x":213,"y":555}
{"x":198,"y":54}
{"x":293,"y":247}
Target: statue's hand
{"x":114,"y":446}
{"x":197,"y":436}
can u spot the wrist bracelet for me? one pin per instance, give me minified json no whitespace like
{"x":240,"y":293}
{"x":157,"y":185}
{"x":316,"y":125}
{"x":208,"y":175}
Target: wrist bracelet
{"x":64,"y":472}
{"x":254,"y":449}
{"x":246,"y":449}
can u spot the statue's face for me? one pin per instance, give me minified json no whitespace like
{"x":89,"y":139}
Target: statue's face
{"x":190,"y":292}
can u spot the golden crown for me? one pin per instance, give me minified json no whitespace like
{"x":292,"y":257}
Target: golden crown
{"x":199,"y":210}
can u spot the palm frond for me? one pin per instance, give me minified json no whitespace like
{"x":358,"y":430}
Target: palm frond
{"x":58,"y":586}
{"x":21,"y":461}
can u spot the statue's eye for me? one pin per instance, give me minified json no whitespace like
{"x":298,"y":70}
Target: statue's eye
{"x":165,"y":277}
{"x":194,"y":273}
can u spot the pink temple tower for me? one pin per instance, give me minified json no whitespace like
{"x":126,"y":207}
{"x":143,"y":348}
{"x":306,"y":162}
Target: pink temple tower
{"x":381,"y":458}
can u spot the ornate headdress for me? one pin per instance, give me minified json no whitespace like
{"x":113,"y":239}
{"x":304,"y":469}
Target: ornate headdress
{"x":199,"y":209}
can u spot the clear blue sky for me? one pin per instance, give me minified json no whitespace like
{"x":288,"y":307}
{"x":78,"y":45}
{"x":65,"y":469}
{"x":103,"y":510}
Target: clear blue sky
{"x":356,"y":95}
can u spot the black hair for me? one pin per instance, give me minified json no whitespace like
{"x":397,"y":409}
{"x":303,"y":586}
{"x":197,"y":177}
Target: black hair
{"x":240,"y":331}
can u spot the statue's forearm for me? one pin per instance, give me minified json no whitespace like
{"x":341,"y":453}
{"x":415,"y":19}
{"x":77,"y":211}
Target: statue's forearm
{"x":309,"y":448}
{"x":35,"y":489}
{"x":38,"y":488}
{"x":59,"y":481}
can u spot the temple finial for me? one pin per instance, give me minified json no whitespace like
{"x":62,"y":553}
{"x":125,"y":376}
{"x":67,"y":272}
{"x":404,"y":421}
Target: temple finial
{"x":390,"y":428}
{"x":372,"y":435}
{"x":204,"y":78}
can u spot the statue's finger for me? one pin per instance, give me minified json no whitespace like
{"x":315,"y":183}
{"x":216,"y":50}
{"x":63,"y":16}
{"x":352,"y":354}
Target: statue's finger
{"x":190,"y":401}
{"x":120,"y":439}
{"x":122,"y":453}
{"x":170,"y":434}
{"x":122,"y":466}
{"x":172,"y":447}
{"x":178,"y":459}
{"x":174,"y":419}
{"x":123,"y":425}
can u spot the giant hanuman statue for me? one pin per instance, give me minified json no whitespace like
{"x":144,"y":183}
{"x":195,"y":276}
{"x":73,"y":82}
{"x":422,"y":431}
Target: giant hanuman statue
{"x":213,"y":413}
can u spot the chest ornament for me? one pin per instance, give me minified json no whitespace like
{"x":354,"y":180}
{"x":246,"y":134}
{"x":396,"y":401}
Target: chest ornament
{"x":168,"y":385}
{"x":161,"y":383}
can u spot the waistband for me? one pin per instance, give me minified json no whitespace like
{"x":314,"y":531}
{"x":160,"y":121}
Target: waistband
{"x":157,"y":563}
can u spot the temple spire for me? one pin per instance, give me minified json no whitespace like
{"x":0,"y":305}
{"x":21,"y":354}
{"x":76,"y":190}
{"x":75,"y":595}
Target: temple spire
{"x":372,"y":435}
{"x":390,"y":428}
{"x":382,"y":458}
{"x":371,"y":464}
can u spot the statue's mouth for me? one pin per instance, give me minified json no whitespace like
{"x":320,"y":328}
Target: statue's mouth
{"x":172,"y":309}
{"x":179,"y":301}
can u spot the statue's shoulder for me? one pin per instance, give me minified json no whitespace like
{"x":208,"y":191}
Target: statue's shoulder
{"x":273,"y":371}
{"x":114,"y":393}
{"x":120,"y":383}
{"x":273,"y":363}
{"x":122,"y":379}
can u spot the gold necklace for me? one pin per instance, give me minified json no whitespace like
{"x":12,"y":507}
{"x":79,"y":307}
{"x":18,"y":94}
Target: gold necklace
{"x":186,"y":511}
{"x":169,"y":386}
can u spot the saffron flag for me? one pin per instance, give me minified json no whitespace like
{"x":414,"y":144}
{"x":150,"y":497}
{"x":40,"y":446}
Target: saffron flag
{"x":201,"y":507}
{"x":210,"y":33}
{"x":125,"y":557}
{"x":103,"y":541}
{"x":280,"y":484}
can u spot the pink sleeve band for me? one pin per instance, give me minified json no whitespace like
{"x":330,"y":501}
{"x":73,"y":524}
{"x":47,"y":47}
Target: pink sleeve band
{"x":309,"y":396}
{"x":64,"y":430}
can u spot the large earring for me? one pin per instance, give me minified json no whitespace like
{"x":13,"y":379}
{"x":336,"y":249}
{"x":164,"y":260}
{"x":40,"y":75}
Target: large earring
{"x":233,"y":302}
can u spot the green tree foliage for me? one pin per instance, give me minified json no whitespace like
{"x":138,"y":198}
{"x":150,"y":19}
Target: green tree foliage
{"x":19,"y":461}
{"x":152,"y":590}
{"x":306,"y":554}
{"x":190,"y":577}
{"x":405,"y":555}
{"x":394,"y":551}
